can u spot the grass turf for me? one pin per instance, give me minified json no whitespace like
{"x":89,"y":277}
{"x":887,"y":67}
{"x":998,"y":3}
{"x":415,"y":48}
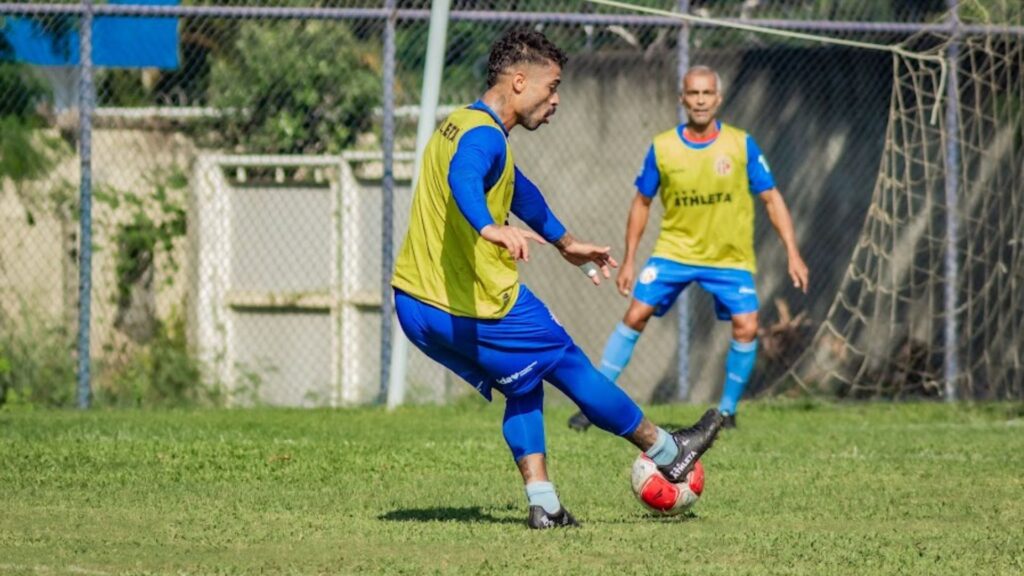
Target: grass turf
{"x":799,"y":489}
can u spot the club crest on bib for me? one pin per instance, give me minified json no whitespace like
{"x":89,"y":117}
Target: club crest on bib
{"x":648,"y":274}
{"x":723,"y":166}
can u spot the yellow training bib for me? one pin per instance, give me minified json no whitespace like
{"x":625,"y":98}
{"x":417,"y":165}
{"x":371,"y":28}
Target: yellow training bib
{"x":709,"y":211}
{"x":443,"y":260}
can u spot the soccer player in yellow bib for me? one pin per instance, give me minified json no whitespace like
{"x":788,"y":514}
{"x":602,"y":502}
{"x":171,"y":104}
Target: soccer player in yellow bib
{"x":457,"y":291}
{"x":708,"y":175}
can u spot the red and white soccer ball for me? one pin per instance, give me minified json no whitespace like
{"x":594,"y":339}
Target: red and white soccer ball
{"x":659,"y":495}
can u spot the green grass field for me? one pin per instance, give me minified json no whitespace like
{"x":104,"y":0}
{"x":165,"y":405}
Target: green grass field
{"x":799,"y":489}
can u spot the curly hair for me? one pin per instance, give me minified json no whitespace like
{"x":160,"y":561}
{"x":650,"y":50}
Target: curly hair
{"x":521,"y":45}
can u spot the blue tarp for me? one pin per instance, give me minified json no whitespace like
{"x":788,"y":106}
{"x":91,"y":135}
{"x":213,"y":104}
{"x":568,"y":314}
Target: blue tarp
{"x":119,"y":42}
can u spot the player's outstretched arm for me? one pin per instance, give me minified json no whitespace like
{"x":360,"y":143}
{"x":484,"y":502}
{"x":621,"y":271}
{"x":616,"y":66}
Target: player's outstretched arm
{"x":515,"y":240}
{"x":583,"y":254}
{"x":639,"y":212}
{"x":780,"y":218}
{"x":529,"y":205}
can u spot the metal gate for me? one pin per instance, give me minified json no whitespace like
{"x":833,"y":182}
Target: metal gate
{"x":286,"y":267}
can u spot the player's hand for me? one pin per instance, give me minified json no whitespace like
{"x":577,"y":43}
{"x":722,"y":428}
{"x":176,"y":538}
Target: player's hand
{"x":798,"y":272}
{"x":627,"y":275}
{"x":515,"y":240}
{"x":579,"y":253}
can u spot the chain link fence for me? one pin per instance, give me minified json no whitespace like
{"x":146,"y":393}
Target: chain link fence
{"x":242,"y":171}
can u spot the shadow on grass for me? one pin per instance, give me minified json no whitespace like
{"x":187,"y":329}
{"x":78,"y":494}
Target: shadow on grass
{"x":686,"y":517}
{"x":473,"y":514}
{"x":445,"y":514}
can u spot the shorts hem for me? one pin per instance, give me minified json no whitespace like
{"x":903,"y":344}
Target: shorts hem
{"x":634,"y":425}
{"x":658,"y":312}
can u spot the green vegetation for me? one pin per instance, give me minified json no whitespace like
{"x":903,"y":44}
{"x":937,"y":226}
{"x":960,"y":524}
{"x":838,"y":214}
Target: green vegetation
{"x":36,"y":364}
{"x":163,"y":373}
{"x":295,"y":87}
{"x":37,"y":368}
{"x":26,"y":153}
{"x":152,"y":221}
{"x":799,"y":489}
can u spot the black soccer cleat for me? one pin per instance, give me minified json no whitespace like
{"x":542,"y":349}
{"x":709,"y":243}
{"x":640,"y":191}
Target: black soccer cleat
{"x":692,"y":442}
{"x":541,"y":520}
{"x":579,"y":422}
{"x":728,"y":421}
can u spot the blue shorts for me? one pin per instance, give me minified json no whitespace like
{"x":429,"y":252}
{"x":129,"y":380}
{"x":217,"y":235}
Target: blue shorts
{"x":662,"y":280}
{"x":512,"y":354}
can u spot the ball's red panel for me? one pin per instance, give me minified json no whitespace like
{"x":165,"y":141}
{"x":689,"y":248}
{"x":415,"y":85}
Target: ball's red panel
{"x":697,"y":478}
{"x":659,"y":493}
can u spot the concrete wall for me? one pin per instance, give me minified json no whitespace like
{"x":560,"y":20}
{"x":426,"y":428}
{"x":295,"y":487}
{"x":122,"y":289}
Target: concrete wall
{"x":39,"y":254}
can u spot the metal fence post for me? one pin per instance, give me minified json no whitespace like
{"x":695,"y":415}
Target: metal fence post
{"x":86,"y":99}
{"x":951,"y":268}
{"x":387,"y":201}
{"x":683,"y":305}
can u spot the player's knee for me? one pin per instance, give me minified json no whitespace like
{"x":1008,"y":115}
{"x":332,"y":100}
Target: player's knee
{"x":744,"y":329}
{"x":637,"y":318}
{"x":635,"y":323}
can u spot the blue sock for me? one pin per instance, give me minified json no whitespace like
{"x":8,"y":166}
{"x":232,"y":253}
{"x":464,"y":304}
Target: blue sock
{"x":738,"y":365}
{"x":618,"y":351}
{"x":664,"y":450}
{"x":543,"y":494}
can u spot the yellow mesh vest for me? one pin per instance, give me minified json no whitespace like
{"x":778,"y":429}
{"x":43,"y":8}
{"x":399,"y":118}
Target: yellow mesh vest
{"x":709,"y":210}
{"x":444,"y":261}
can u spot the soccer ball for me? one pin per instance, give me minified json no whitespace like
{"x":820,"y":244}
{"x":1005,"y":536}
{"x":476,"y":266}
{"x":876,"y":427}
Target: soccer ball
{"x":659,"y":495}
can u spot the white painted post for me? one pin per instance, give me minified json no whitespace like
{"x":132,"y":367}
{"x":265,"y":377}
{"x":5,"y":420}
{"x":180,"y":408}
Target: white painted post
{"x":432,"y":70}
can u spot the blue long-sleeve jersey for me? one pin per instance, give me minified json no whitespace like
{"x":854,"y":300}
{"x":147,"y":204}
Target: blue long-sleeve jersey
{"x":476,"y":167}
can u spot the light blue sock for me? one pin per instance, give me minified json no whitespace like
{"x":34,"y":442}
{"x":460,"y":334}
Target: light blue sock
{"x":738,"y":365}
{"x":664,"y":450}
{"x":618,"y":351}
{"x":543,"y":494}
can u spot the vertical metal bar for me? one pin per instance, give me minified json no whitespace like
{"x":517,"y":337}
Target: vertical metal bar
{"x":86,"y":103}
{"x":387,"y":201}
{"x":952,"y":272}
{"x":437,"y":40}
{"x":683,"y":305}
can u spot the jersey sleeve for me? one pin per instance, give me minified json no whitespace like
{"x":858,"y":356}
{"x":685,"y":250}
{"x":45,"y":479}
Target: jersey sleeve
{"x":648,"y":179}
{"x":480,"y":149}
{"x":529,"y":205}
{"x":759,"y":175}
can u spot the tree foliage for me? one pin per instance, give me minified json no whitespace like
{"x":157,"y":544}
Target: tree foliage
{"x":23,"y":154}
{"x":295,"y":87}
